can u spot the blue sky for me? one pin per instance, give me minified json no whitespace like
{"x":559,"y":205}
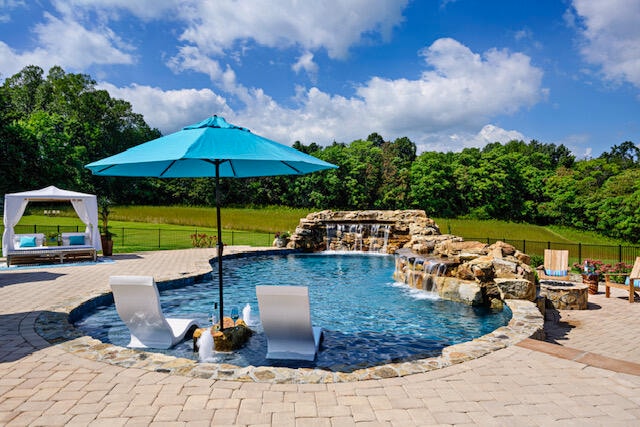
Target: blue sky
{"x":448,"y":74}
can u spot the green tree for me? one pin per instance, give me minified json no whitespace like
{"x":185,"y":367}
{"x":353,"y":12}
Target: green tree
{"x":59,"y":124}
{"x":613,"y":208}
{"x":626,"y":155}
{"x":22,"y":90}
{"x":397,"y":158}
{"x":432,"y":186}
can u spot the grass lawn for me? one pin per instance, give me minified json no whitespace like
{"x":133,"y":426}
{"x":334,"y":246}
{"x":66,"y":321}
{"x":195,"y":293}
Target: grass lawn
{"x":476,"y":229}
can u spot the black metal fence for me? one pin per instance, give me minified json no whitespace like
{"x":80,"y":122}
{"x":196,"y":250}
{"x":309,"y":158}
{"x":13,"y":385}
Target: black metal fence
{"x":126,"y":239}
{"x":143,"y":239}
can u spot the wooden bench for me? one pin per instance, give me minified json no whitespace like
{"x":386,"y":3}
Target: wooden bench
{"x":631,"y":284}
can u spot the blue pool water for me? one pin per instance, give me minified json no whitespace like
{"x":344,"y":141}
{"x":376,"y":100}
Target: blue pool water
{"x":367,"y":319}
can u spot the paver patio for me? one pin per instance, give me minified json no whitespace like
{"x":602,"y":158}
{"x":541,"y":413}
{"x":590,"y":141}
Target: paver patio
{"x":529,"y":384}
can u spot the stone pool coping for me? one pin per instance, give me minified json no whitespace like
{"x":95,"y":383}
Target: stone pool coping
{"x":55,"y":326}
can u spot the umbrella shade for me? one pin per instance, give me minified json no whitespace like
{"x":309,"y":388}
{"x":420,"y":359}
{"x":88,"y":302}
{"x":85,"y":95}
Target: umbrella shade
{"x":195,"y":150}
{"x":211,"y":148}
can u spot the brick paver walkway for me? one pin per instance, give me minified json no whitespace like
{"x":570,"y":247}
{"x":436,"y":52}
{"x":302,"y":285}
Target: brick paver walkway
{"x":40,"y":384}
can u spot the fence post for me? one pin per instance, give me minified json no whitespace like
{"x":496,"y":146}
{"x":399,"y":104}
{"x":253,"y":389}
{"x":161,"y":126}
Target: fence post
{"x":35,"y":229}
{"x":619,"y":253}
{"x":524,"y":246}
{"x":122,"y":236}
{"x":158,"y":238}
{"x":233,"y":236}
{"x":580,"y":252}
{"x":548,"y":245}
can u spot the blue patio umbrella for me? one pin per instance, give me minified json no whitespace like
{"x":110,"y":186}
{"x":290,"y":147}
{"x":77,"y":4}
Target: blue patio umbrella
{"x":211,"y":148}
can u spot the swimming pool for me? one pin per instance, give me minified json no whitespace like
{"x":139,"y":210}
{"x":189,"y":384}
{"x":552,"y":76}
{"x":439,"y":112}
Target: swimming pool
{"x":367,"y":319}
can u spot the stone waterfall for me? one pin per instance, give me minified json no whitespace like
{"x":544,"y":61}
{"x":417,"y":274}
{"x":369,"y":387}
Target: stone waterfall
{"x":381,"y":231}
{"x":471,"y":272}
{"x":371,"y":238}
{"x":423,"y":273}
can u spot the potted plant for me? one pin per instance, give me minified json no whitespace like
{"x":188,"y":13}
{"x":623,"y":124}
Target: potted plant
{"x":281,"y":239}
{"x":591,"y":269}
{"x":106,"y":236}
{"x":52,"y":237}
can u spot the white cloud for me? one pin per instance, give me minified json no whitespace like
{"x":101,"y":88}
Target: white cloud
{"x":611,"y":37}
{"x":492,"y":133}
{"x":446,"y":109}
{"x":67,"y":43}
{"x":306,"y":63}
{"x":228,"y":27}
{"x":170,"y":110}
{"x":462,"y":89}
{"x":190,"y":58}
{"x":11,"y":61}
{"x":442,"y":110}
{"x":217,"y":26}
{"x":334,"y":25}
{"x":459,"y":139}
{"x":525,"y":33}
{"x":78,"y":47}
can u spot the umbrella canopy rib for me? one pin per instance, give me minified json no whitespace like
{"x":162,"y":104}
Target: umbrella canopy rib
{"x":168,"y":167}
{"x":218,"y":162}
{"x":298,"y":171}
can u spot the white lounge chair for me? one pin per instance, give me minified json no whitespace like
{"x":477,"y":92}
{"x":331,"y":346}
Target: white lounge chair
{"x":286,"y":320}
{"x":138,"y":305}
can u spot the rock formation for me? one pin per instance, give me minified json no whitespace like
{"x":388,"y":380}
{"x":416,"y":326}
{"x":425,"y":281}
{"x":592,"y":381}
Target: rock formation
{"x":311,"y":234}
{"x":467,"y":271}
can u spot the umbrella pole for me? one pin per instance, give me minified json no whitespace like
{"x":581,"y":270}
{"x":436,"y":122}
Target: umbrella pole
{"x":219,"y":245}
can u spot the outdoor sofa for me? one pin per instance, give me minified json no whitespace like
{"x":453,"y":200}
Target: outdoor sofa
{"x":31,"y":249}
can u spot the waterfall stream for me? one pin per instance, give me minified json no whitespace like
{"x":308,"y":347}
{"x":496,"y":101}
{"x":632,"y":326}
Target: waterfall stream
{"x":372,"y":238}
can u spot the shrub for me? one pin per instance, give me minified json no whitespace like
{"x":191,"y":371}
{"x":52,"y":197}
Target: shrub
{"x":619,"y":270}
{"x":201,"y":240}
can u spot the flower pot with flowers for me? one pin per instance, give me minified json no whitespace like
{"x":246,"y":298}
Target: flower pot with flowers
{"x":591,"y":270}
{"x":281,"y":239}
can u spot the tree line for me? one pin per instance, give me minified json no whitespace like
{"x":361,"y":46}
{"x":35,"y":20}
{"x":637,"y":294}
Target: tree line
{"x":53,"y":125}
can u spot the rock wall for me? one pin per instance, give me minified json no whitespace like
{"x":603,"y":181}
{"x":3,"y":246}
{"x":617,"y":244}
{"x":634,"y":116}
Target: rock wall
{"x":466,"y":271}
{"x":311,"y":233}
{"x":470,"y":272}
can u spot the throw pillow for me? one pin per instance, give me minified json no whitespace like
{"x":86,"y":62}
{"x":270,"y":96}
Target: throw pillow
{"x":76,"y":240}
{"x":28,"y":242}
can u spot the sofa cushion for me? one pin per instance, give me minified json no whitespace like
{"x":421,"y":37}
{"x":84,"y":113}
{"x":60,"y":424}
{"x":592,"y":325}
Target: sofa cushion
{"x":636,"y":282}
{"x":76,"y":240}
{"x":28,"y":241}
{"x":555,"y":273}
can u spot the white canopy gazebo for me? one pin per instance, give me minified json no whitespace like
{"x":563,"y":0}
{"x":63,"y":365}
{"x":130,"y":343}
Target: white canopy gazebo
{"x":85,"y":205}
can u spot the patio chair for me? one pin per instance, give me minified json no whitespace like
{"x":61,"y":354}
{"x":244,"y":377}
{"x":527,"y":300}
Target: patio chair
{"x":556,"y":265}
{"x":631,"y":283}
{"x":286,"y":320}
{"x":138,"y":305}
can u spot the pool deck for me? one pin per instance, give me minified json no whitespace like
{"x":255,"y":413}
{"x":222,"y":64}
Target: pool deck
{"x":590,"y":376}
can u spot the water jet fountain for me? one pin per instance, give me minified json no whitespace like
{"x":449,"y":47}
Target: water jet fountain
{"x":205,"y":346}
